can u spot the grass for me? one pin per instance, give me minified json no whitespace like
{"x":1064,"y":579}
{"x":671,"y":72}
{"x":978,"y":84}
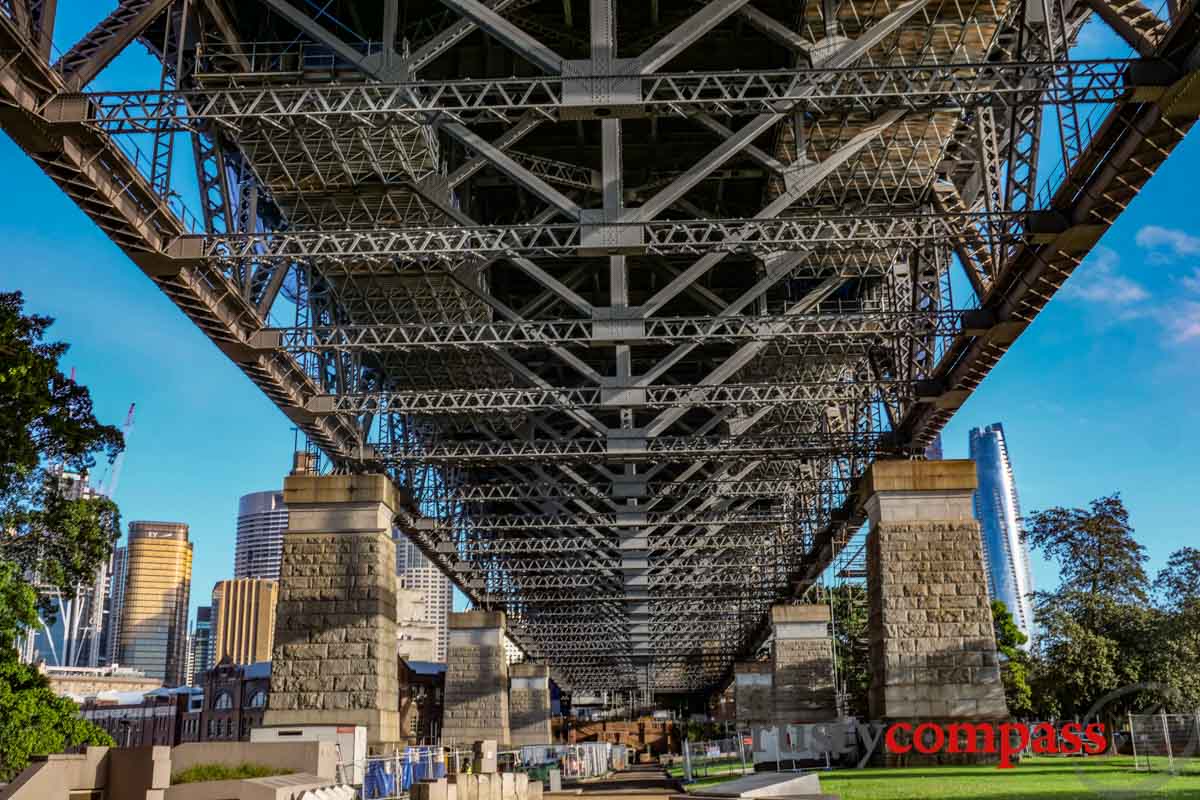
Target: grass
{"x":1034,"y":779}
{"x":713,"y":769}
{"x":224,"y":772}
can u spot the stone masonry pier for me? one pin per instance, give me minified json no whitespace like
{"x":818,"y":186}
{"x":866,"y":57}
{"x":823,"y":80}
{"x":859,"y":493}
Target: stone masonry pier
{"x":932,"y":649}
{"x":476,"y":695}
{"x":334,"y":660}
{"x":529,"y":704}
{"x":754,"y":702}
{"x":804,"y":689}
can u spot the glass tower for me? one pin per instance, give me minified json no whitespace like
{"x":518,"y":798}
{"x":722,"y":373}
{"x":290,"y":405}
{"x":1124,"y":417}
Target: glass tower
{"x":153,"y":636}
{"x":999,"y":513}
{"x":262,"y":519}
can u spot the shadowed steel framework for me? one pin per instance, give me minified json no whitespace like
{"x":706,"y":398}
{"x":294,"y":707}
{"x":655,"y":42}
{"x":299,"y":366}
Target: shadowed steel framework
{"x":626,"y":295}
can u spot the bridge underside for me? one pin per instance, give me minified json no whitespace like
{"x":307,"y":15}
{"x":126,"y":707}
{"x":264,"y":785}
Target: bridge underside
{"x":626,"y":294}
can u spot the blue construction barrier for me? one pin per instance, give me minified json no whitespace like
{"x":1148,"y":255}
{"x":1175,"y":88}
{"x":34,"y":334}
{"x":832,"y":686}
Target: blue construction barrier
{"x":388,"y":777}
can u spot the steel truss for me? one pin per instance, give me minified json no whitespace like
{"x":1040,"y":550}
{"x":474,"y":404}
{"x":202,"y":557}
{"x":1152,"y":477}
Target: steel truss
{"x":628,"y":327}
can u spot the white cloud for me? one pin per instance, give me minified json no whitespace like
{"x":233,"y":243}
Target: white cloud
{"x":1183,"y":322}
{"x":1176,"y":242}
{"x":1099,"y":281}
{"x":1192,"y":282}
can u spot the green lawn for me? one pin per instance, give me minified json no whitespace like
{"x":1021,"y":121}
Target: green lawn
{"x":714,"y":769}
{"x":1034,"y":779}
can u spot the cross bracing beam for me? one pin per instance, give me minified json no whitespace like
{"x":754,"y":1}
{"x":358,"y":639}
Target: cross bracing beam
{"x":557,"y":240}
{"x":869,"y":324}
{"x":694,"y":487}
{"x":472,"y":401}
{"x":617,"y":519}
{"x":918,"y":87}
{"x":746,"y":536}
{"x":661,"y":448}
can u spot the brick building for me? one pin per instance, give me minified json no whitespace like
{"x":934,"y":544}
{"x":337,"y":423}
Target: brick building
{"x":235,"y":697}
{"x":142,"y":719}
{"x":231,"y":700}
{"x":422,"y":691}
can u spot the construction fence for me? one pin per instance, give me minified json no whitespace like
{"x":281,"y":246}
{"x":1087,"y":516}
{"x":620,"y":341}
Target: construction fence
{"x":1166,"y":742}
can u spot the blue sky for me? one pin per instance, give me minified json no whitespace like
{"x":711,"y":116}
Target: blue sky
{"x":1098,"y":396}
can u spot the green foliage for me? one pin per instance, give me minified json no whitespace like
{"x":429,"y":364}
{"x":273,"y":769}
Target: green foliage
{"x":1014,"y":662}
{"x":1095,"y":549}
{"x":18,"y":608}
{"x":224,"y":772}
{"x":34,"y":721}
{"x":46,"y":419}
{"x":46,"y":415}
{"x":1178,"y":583}
{"x":851,"y":644}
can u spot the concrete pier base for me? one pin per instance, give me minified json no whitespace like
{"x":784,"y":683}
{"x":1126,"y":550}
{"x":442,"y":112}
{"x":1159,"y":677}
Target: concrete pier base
{"x":334,"y":660}
{"x":803,"y":665}
{"x":476,"y":696}
{"x":932,"y":649}
{"x":529,"y":704}
{"x":753,"y":698}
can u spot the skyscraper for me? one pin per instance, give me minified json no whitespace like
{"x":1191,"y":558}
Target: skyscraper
{"x":153,"y":635}
{"x":244,"y":619}
{"x":999,"y":513}
{"x":202,"y":644}
{"x":262,"y":519}
{"x":115,"y":601}
{"x":416,"y":572}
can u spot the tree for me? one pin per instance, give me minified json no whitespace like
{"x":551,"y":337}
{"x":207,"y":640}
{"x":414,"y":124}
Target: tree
{"x":851,"y":646}
{"x":46,"y":419}
{"x":35,"y":721}
{"x":1178,"y":583}
{"x":1095,"y":549}
{"x":1014,"y":662}
{"x":1097,"y":631}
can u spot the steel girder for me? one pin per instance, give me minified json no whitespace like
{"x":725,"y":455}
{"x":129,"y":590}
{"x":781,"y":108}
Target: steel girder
{"x":697,"y":348}
{"x":918,"y":87}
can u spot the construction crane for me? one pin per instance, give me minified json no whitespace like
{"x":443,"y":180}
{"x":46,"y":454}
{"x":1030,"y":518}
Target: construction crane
{"x":108,"y":487}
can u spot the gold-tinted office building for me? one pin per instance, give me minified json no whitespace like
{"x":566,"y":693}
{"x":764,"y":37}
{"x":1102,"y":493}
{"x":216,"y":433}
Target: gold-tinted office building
{"x":244,"y":610}
{"x":158,"y":583}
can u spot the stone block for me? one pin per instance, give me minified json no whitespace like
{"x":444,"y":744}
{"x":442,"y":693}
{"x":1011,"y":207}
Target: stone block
{"x":508,"y":786}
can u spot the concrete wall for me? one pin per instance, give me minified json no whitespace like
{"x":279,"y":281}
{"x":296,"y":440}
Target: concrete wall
{"x":130,"y":774}
{"x":55,"y":777}
{"x":316,"y":758}
{"x":476,"y":696}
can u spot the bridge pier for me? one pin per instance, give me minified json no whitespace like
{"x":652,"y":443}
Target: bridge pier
{"x":334,"y":661}
{"x":476,"y":695}
{"x":529,"y":704}
{"x":804,"y":688}
{"x":932,"y":649}
{"x":753,"y":699}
